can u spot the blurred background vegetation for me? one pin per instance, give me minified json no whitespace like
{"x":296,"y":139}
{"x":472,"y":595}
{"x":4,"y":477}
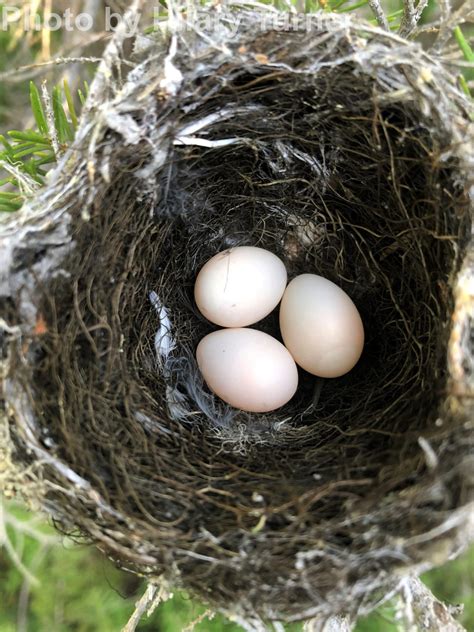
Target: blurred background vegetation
{"x":50,"y":583}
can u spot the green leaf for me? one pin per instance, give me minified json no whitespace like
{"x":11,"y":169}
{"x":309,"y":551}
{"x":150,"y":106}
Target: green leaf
{"x":37,"y":108}
{"x":338,"y":5}
{"x":21,"y":153}
{"x":5,"y":143}
{"x":10,"y":202}
{"x":31,"y":137}
{"x":464,"y":44}
{"x":7,"y":195}
{"x":357,"y":5}
{"x":63,"y":127}
{"x":31,"y":169}
{"x":396,"y":14}
{"x":31,"y":150}
{"x":83,"y":95}
{"x":10,"y":206}
{"x":464,"y":86}
{"x":70,"y":105}
{"x":33,"y":146}
{"x":45,"y":160}
{"x":468,"y":53}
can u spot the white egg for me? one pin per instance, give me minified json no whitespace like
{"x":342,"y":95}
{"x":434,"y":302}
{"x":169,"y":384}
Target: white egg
{"x":321,"y":326}
{"x":240,"y":286}
{"x":248,"y":369}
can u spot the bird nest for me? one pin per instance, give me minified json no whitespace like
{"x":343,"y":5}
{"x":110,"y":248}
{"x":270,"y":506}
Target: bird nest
{"x":346,"y":151}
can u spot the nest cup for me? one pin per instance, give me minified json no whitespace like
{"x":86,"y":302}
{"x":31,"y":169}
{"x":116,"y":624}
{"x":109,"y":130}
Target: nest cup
{"x":345,"y":151}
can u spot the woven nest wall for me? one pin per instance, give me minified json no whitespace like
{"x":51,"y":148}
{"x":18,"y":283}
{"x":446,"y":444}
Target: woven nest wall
{"x":347,"y":152}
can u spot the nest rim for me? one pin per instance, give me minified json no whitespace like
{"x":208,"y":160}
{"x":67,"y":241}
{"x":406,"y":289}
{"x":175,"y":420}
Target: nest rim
{"x":259,"y":531}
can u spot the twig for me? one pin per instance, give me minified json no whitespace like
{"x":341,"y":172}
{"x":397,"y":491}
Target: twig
{"x":208,"y":614}
{"x":379,"y":14}
{"x":150,"y":599}
{"x":26,"y":183}
{"x":141,"y":607}
{"x":422,"y":611}
{"x":24,"y":527}
{"x":249,"y":625}
{"x":445,"y":10}
{"x":422,"y":4}
{"x":21,"y":528}
{"x":25,"y":592}
{"x":409,"y":20}
{"x":50,"y":117}
{"x":450,"y":19}
{"x":57,"y":61}
{"x":337,"y":623}
{"x":111,"y":56}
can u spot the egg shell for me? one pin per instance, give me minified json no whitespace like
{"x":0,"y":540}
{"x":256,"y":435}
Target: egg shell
{"x":321,"y":326}
{"x":240,"y":286}
{"x":248,"y":369}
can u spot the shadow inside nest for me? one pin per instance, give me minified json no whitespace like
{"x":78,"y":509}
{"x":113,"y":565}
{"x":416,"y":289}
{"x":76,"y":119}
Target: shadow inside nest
{"x":349,"y":190}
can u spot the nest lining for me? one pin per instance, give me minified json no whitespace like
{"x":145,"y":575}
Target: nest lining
{"x":328,"y":149}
